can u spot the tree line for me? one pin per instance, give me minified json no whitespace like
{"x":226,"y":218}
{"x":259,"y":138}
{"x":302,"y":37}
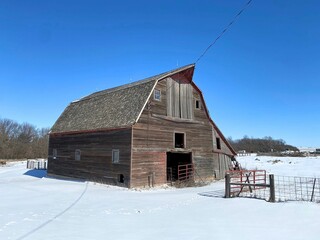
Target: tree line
{"x":266,"y":144}
{"x":19,"y":141}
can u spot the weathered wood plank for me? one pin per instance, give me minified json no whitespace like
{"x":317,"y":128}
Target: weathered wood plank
{"x":96,"y":156}
{"x":156,"y":133}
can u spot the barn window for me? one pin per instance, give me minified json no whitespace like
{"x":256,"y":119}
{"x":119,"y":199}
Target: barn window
{"x":115,"y":155}
{"x":121,"y":178}
{"x":179,"y":140}
{"x":77,"y":155}
{"x":54,"y":153}
{"x":157,"y":95}
{"x":197,"y":104}
{"x":218,"y":143}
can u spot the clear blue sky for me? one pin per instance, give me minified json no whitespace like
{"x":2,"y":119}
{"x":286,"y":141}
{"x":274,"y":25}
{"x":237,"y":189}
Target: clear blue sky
{"x":262,"y":78}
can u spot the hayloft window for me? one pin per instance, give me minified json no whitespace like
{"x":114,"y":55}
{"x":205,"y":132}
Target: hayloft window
{"x":157,"y":95}
{"x":54,"y":153}
{"x":77,"y":155}
{"x":197,"y":104}
{"x":218,"y":143}
{"x":115,"y":155}
{"x":179,"y":140}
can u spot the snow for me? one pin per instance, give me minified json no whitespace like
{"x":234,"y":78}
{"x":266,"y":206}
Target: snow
{"x":284,"y":166}
{"x":33,"y":206}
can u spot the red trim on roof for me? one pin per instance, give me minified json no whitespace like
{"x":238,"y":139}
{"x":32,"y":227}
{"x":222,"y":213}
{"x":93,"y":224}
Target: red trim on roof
{"x":184,"y":76}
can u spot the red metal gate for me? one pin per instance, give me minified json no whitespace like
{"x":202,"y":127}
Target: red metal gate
{"x":185,"y":172}
{"x":246,"y":176}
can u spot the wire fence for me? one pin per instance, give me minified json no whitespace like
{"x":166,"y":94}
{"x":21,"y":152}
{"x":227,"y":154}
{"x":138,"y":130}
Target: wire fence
{"x":288,"y":189}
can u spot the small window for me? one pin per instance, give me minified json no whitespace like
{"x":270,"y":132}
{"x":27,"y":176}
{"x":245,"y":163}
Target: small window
{"x":218,"y":143}
{"x":54,"y":153}
{"x":77,"y":155}
{"x":121,"y":178}
{"x":157,"y":95}
{"x":197,"y":104}
{"x":179,"y":140}
{"x":115,"y":156}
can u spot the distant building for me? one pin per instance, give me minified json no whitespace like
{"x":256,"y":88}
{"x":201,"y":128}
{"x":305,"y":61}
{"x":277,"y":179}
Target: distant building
{"x":243,"y":153}
{"x":307,"y":149}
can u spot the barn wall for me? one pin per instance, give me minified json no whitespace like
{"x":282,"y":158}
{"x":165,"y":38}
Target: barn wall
{"x":224,"y":148}
{"x":96,"y":156}
{"x":223,"y":164}
{"x":149,"y":168}
{"x":153,"y":136}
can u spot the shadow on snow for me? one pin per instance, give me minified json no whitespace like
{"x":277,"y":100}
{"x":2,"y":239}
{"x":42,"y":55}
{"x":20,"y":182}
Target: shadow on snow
{"x":217,"y":194}
{"x":36,"y":173}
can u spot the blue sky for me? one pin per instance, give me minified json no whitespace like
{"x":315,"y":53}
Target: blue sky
{"x":262,"y":78}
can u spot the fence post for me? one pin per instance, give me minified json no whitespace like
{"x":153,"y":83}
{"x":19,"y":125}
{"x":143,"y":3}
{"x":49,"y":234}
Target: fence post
{"x":149,"y":180}
{"x":314,"y":184}
{"x":153,"y":178}
{"x":227,"y":186}
{"x":272,"y":189}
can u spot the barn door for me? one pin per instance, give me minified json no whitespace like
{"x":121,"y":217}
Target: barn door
{"x":179,"y":99}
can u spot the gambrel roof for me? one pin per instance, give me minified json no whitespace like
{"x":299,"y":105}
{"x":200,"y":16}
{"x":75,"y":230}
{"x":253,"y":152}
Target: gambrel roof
{"x":112,"y":108}
{"x":118,"y":107}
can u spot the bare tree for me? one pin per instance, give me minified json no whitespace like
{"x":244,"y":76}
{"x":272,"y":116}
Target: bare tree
{"x":266,"y":144}
{"x":22,"y":140}
{"x":8,"y":133}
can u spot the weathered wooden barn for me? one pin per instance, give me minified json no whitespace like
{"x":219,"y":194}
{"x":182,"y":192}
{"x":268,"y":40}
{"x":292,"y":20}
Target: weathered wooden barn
{"x":144,"y":133}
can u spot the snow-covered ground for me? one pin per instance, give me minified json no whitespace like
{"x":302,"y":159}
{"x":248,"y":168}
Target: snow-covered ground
{"x":33,"y":206}
{"x":284,"y":166}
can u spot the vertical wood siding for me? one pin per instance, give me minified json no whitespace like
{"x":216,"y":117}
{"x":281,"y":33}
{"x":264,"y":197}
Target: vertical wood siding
{"x":179,"y":99}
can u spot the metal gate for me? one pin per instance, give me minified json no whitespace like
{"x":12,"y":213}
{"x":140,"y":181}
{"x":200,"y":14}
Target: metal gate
{"x":238,"y":182}
{"x":246,"y":176}
{"x":185,"y":172}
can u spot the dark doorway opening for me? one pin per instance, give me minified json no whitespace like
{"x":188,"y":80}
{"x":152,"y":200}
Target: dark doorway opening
{"x":121,"y":178}
{"x":173,"y":161}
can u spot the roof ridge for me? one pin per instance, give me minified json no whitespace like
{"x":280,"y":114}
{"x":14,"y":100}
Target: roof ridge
{"x":113,"y":89}
{"x":133,"y":84}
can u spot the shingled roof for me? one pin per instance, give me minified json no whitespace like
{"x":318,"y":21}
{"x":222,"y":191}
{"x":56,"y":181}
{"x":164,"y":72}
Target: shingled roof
{"x":112,"y":108}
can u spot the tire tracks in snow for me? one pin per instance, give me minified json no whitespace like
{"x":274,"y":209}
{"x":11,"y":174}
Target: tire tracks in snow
{"x":56,"y":216}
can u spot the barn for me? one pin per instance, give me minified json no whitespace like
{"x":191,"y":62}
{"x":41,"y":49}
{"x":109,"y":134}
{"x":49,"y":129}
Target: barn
{"x":146,"y":133}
